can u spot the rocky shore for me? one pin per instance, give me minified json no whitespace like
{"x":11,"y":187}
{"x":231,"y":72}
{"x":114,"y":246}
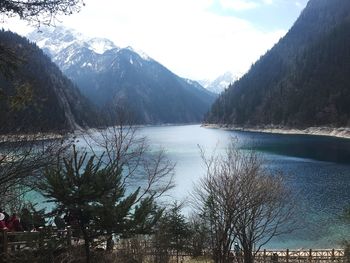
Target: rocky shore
{"x":343,"y":132}
{"x":29,"y":137}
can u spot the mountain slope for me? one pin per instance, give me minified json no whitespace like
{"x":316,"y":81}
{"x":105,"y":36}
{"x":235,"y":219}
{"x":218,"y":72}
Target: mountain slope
{"x":303,"y":81}
{"x":124,"y":78}
{"x":37,"y":96}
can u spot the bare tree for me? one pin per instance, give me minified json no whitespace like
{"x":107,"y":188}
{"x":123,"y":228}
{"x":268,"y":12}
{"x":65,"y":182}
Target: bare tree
{"x":39,"y":11}
{"x":21,"y":160}
{"x":242,"y":202}
{"x":268,"y":210}
{"x":142,"y":166}
{"x":217,"y":198}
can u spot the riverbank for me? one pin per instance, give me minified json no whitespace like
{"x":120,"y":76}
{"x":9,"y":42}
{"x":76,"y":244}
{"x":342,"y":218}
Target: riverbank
{"x":343,"y":132}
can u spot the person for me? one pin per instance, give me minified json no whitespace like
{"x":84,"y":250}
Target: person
{"x":14,"y":223}
{"x":38,"y":219}
{"x":60,"y":222}
{"x":3,"y":225}
{"x":26,"y":220}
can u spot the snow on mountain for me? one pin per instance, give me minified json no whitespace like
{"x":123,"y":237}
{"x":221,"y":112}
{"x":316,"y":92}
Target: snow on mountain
{"x":65,"y":38}
{"x":70,"y":50}
{"x":204,"y":82}
{"x":198,"y":86}
{"x":220,"y":83}
{"x":100,"y":45}
{"x":142,"y":54}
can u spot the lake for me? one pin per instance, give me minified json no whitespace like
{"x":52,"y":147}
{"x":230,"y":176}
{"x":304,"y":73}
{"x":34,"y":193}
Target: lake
{"x":317,"y":169}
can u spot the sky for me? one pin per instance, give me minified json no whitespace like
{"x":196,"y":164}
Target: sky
{"x":196,"y":39}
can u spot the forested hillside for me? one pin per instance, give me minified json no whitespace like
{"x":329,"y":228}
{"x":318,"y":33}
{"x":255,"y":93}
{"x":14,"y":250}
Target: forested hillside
{"x":303,"y":81}
{"x":34,"y":94}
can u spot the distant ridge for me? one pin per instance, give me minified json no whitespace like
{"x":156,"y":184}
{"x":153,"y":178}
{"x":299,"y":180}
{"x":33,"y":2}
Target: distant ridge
{"x":303,"y":81}
{"x":111,"y":76}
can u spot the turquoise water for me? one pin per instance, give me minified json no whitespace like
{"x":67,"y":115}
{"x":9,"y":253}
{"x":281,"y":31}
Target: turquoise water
{"x":317,"y":170}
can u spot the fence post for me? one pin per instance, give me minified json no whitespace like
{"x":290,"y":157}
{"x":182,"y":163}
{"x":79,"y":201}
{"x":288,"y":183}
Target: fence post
{"x":310,"y":255}
{"x":333,"y":255}
{"x":287,"y":256}
{"x":264,"y":256}
{"x":4,"y":241}
{"x":69,"y":236}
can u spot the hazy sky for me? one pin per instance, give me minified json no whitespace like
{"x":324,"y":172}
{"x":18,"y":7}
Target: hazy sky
{"x":197,"y":39}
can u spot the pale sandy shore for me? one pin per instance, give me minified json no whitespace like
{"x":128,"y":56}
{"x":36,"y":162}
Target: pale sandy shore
{"x":29,"y":137}
{"x":343,"y":132}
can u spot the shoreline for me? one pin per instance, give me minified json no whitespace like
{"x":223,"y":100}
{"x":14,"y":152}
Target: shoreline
{"x":40,"y":136}
{"x":343,"y":132}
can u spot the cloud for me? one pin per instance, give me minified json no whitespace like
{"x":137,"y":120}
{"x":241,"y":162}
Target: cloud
{"x":299,"y":5}
{"x":267,"y":2}
{"x":242,"y":5}
{"x":183,"y":35}
{"x":238,"y":5}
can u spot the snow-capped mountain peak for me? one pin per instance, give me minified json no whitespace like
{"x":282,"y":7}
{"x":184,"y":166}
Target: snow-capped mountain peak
{"x":64,"y":37}
{"x":220,"y":83}
{"x":100,"y":45}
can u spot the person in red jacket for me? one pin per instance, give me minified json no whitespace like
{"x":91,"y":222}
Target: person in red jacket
{"x":14,"y":224}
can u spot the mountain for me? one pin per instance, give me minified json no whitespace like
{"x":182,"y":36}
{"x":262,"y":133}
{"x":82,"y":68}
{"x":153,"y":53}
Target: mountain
{"x":35,"y":96}
{"x":303,"y":81}
{"x":111,"y":76}
{"x":219,"y":84}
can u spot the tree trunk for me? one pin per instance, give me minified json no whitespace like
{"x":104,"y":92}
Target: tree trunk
{"x":110,"y":243}
{"x":248,"y":255}
{"x":226,"y":252}
{"x":177,"y":250}
{"x":216,"y":255}
{"x":86,"y":243}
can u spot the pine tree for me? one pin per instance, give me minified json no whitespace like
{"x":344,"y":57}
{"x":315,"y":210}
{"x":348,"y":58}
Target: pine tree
{"x":92,"y":192}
